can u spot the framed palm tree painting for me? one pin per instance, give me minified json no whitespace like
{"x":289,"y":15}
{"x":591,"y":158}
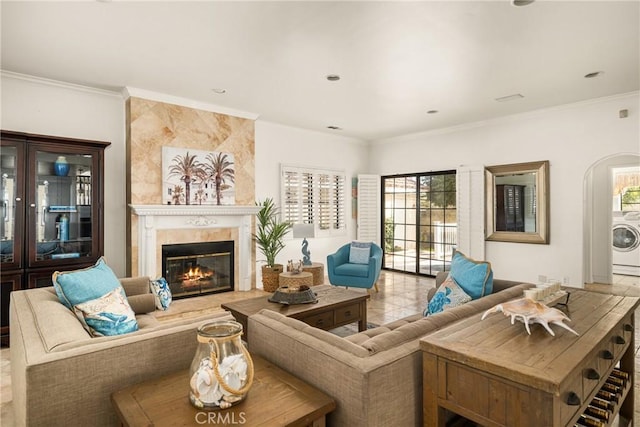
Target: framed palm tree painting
{"x":197,"y":177}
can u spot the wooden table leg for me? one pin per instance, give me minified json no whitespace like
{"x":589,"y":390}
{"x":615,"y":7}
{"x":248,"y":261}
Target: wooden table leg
{"x":362,"y":323}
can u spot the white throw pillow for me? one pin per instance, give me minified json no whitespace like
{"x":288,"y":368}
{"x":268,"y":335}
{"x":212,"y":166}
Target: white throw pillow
{"x":359,"y":252}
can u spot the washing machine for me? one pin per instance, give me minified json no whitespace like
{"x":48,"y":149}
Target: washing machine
{"x":626,"y":244}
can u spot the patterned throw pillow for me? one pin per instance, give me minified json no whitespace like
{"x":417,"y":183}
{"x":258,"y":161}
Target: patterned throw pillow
{"x":162,"y":292}
{"x":107,"y":315}
{"x":448,"y":295}
{"x":475,"y":277}
{"x":359,"y":252}
{"x":78,"y":286}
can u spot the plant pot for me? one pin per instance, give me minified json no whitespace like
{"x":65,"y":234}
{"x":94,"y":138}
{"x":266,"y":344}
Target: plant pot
{"x":271,"y":277}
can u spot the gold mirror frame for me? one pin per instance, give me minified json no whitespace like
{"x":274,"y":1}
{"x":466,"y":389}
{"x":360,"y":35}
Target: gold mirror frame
{"x":541,"y":171}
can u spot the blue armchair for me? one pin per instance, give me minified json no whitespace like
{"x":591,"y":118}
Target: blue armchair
{"x":343,"y":273}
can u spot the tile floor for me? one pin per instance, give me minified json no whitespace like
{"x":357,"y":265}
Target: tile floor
{"x":400,"y":295}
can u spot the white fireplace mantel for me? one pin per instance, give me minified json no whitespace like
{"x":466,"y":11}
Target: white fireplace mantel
{"x":167,"y":217}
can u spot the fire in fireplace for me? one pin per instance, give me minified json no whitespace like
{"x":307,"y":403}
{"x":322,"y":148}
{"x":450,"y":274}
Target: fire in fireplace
{"x":194,"y":269}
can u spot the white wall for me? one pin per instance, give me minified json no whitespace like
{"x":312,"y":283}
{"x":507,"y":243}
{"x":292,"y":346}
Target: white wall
{"x":52,"y":108}
{"x":572,"y":137}
{"x":276,"y":145}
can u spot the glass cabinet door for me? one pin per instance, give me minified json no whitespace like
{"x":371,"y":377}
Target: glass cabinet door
{"x":62,"y":213}
{"x":12,"y":204}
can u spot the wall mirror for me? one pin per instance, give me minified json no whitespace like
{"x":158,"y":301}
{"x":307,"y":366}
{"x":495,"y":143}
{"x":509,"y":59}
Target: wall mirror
{"x":517,"y":202}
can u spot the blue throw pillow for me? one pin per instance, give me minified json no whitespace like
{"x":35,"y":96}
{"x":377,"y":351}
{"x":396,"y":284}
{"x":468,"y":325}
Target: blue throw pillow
{"x":448,"y":295}
{"x":107,"y":315}
{"x":78,"y":286}
{"x":162,"y":292}
{"x":474,"y":277}
{"x":359,"y":252}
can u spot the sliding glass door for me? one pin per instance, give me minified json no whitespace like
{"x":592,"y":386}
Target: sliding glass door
{"x":419,"y":229}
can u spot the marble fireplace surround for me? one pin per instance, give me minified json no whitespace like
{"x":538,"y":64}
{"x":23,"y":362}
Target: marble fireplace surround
{"x":154,"y":218}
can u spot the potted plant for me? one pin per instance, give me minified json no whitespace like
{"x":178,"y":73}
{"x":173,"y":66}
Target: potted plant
{"x":270,"y":232}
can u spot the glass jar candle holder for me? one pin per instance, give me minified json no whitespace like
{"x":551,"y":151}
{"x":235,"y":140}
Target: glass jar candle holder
{"x":221,"y":372}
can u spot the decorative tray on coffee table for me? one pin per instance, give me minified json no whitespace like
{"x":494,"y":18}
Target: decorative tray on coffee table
{"x":290,"y":295}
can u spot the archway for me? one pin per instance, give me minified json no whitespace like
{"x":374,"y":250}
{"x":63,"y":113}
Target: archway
{"x":598,"y":193}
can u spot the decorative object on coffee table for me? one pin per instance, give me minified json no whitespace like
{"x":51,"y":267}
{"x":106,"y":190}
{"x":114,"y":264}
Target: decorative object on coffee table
{"x":529,"y":311}
{"x":221,"y":372}
{"x":294,"y":267}
{"x":289,"y":295}
{"x":270,"y":232}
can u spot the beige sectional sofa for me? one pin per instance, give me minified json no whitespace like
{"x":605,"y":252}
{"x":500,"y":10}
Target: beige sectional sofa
{"x":376,"y":375}
{"x":62,"y":376}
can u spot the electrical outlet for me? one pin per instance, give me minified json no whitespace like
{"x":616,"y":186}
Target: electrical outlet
{"x":542,"y":278}
{"x":566,"y":280}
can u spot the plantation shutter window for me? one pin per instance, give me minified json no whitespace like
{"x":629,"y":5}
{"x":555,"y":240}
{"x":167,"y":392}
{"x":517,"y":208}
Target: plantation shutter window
{"x":314,"y":196}
{"x":368,"y":217}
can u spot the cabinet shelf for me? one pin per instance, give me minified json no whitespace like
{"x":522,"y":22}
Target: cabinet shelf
{"x":62,"y":209}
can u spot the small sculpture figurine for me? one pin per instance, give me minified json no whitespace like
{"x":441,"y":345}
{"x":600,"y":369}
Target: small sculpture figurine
{"x":306,"y":253}
{"x":294,"y":268}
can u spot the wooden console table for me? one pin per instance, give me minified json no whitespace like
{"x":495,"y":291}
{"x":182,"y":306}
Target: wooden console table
{"x":494,"y":373}
{"x":335,"y":307}
{"x":276,"y":398}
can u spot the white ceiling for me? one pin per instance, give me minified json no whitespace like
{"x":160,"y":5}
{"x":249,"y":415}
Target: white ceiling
{"x":397,"y":60}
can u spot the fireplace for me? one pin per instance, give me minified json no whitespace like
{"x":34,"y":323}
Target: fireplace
{"x":194,"y":269}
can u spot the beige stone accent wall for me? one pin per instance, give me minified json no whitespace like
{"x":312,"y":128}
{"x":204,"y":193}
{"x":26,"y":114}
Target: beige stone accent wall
{"x":152,"y":125}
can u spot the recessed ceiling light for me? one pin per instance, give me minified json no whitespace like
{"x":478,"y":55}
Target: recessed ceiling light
{"x":432,"y":111}
{"x":334,"y":128}
{"x":520,"y":3}
{"x":333,"y":77}
{"x":220,"y":91}
{"x":593,"y":74}
{"x":509,"y":97}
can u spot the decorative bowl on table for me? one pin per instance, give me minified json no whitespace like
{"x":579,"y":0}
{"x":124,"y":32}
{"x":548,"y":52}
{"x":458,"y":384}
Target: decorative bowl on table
{"x":290,"y":295}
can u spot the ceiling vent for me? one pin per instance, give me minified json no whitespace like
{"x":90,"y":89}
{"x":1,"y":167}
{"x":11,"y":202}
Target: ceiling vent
{"x":509,"y":98}
{"x":520,"y":3}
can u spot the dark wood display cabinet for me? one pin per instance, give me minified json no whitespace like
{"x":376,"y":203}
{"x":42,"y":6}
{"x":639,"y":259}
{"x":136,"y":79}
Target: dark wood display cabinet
{"x":52,"y":210}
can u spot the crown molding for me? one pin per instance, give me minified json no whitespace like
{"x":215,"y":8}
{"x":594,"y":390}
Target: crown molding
{"x":129,"y":91}
{"x":58,"y":83}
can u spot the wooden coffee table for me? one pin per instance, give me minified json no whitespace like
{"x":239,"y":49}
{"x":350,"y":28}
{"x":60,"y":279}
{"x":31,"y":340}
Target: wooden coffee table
{"x":276,"y":398}
{"x":335,"y":307}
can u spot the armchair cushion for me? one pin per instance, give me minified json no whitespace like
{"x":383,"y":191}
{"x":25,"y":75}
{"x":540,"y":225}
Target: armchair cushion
{"x":355,"y":270}
{"x":359,"y":252}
